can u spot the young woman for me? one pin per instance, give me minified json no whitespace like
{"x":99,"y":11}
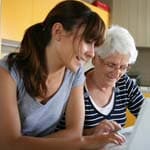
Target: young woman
{"x":46,"y":77}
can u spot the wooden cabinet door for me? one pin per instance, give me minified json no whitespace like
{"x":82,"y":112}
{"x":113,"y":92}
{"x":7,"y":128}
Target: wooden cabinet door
{"x":133,"y":15}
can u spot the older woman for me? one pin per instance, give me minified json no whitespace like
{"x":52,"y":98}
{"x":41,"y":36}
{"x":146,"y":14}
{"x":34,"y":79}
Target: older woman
{"x":109,"y":91}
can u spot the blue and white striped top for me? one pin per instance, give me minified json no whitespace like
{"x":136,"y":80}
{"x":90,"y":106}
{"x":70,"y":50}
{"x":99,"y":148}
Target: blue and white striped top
{"x":126,"y":95}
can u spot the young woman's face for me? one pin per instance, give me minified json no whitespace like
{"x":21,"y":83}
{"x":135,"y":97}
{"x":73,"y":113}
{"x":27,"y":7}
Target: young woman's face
{"x":111,"y":68}
{"x":75,"y":50}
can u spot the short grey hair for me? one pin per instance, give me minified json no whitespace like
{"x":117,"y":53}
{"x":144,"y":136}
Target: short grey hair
{"x":118,"y":39}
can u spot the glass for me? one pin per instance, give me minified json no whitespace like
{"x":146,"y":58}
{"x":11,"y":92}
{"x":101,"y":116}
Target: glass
{"x":112,"y":66}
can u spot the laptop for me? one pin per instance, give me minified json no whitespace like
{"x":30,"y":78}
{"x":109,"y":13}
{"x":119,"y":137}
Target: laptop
{"x":138,"y":137}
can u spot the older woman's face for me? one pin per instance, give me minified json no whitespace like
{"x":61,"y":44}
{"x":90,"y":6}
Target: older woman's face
{"x":112,"y":67}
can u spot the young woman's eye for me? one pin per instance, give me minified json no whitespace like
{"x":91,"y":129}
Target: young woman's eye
{"x":89,"y":41}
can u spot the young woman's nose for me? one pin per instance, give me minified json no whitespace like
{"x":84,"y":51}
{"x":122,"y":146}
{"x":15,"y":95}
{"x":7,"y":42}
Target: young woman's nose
{"x":91,"y":50}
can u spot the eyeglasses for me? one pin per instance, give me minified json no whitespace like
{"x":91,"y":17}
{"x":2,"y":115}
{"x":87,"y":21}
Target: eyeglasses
{"x":113,"y":66}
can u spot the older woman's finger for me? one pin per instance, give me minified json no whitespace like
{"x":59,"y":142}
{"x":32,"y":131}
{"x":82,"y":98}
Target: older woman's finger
{"x":107,"y":126}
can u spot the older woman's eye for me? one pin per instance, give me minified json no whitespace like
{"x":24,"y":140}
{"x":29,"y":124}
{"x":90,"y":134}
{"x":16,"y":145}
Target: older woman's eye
{"x":125,"y":67}
{"x":111,"y":65}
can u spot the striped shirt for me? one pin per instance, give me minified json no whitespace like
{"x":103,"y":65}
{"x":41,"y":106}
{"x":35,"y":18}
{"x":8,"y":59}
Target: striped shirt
{"x":126,"y":95}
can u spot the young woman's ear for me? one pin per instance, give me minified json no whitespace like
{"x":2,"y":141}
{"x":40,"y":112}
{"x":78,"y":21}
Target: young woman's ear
{"x":57,"y":31}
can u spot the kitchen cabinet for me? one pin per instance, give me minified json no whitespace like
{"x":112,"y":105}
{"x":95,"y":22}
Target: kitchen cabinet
{"x":130,"y":119}
{"x":41,"y":9}
{"x":18,"y":15}
{"x":133,"y":15}
{"x":104,"y":14}
{"x":39,"y":12}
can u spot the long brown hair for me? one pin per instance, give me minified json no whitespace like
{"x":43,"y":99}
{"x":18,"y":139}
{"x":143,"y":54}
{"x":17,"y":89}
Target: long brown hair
{"x":31,"y":59}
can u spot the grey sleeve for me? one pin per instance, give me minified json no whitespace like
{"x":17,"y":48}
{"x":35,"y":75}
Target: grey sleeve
{"x":13,"y":72}
{"x":79,"y":78}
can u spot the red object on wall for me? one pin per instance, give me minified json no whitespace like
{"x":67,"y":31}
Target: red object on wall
{"x":99,"y":4}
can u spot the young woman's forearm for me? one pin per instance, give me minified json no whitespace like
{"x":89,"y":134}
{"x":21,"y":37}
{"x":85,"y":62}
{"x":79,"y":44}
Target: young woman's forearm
{"x":32,"y":143}
{"x":69,"y":133}
{"x":35,"y":143}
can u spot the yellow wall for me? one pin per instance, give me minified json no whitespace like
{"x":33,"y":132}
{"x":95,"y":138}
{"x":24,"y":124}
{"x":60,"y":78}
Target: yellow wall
{"x":17,"y":15}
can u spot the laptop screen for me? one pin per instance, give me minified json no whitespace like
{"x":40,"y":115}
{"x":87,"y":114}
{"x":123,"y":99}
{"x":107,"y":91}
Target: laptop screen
{"x":140,"y":137}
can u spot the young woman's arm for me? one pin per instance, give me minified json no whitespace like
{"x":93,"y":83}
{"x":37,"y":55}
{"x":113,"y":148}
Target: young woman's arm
{"x":74,"y":115}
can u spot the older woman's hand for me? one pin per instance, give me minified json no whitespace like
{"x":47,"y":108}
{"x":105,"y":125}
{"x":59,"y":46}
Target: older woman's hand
{"x":106,"y":132}
{"x":106,"y":126}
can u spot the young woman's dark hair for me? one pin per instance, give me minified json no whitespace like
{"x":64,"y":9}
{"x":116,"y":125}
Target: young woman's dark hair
{"x":31,"y":59}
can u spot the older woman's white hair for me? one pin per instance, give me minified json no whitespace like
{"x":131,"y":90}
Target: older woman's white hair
{"x":118,"y":39}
